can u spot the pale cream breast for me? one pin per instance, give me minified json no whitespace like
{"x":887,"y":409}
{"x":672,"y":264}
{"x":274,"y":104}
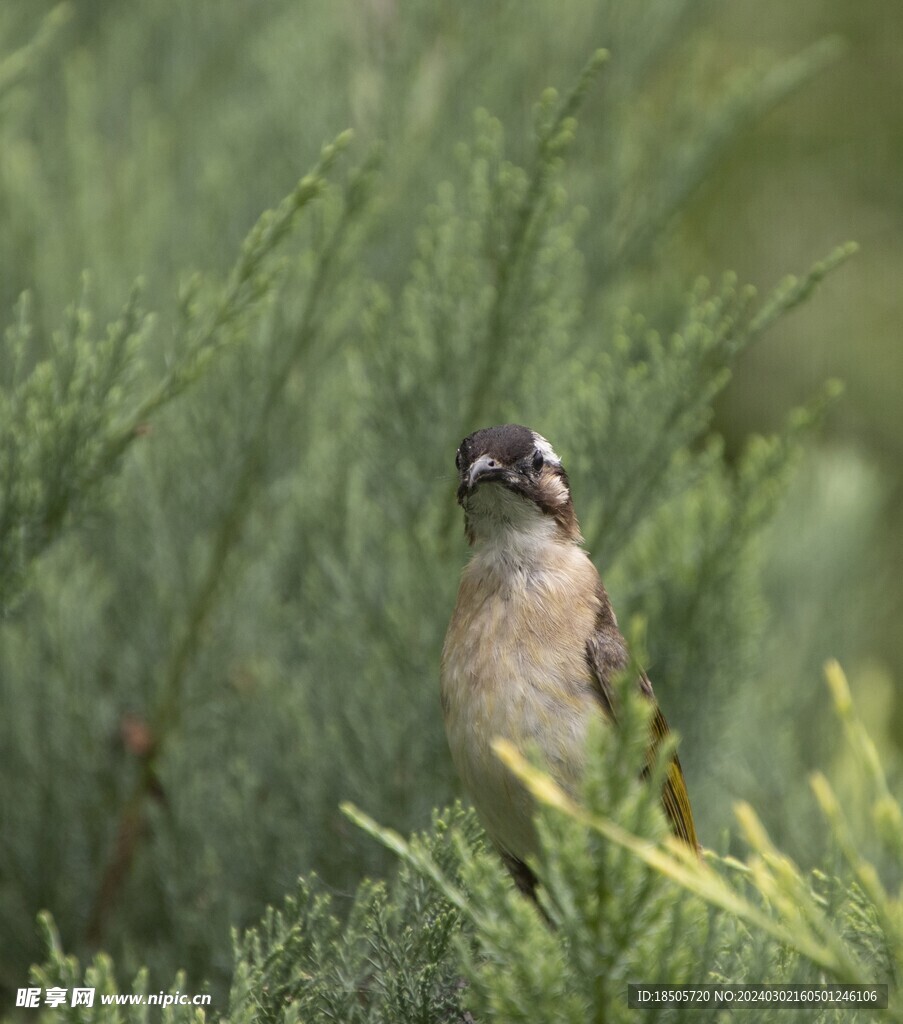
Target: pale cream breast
{"x":514,"y":666}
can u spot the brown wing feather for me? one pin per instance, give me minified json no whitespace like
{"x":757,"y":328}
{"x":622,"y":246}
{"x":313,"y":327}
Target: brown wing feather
{"x":606,"y":653}
{"x":675,"y":798}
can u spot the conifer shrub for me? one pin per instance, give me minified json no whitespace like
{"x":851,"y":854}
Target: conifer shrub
{"x":229,"y":542}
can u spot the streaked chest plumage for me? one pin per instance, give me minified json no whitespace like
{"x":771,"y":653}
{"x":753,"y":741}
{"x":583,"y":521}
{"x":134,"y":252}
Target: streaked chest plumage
{"x":514,"y":666}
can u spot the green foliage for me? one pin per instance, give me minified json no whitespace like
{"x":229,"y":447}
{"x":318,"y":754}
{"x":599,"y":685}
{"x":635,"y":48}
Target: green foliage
{"x":62,"y":427}
{"x":19,"y":64}
{"x":452,"y":939}
{"x":228,"y":536}
{"x":63,"y":972}
{"x":391,"y":960}
{"x":68,"y":422}
{"x":389,"y":957}
{"x":70,"y":416}
{"x":619,"y":908}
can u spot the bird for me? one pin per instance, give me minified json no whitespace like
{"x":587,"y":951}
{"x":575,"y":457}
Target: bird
{"x":533,"y":647}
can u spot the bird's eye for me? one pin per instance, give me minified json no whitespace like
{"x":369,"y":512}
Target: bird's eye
{"x":458,"y":458}
{"x":538,"y":461}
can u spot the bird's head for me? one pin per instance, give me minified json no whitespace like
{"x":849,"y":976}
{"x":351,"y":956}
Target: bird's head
{"x":511,"y":481}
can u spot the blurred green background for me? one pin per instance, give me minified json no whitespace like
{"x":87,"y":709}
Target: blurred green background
{"x":826,"y":162}
{"x":145,"y":140}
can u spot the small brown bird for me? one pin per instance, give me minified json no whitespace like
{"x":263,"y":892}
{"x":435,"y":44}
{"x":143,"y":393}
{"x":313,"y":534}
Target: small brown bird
{"x":533,"y":646}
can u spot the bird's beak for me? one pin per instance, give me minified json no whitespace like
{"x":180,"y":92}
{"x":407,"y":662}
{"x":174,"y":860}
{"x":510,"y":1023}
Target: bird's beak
{"x":483,"y":468}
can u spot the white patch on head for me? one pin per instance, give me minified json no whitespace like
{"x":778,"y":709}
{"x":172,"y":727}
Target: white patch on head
{"x":556,"y":492}
{"x":545,"y":449}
